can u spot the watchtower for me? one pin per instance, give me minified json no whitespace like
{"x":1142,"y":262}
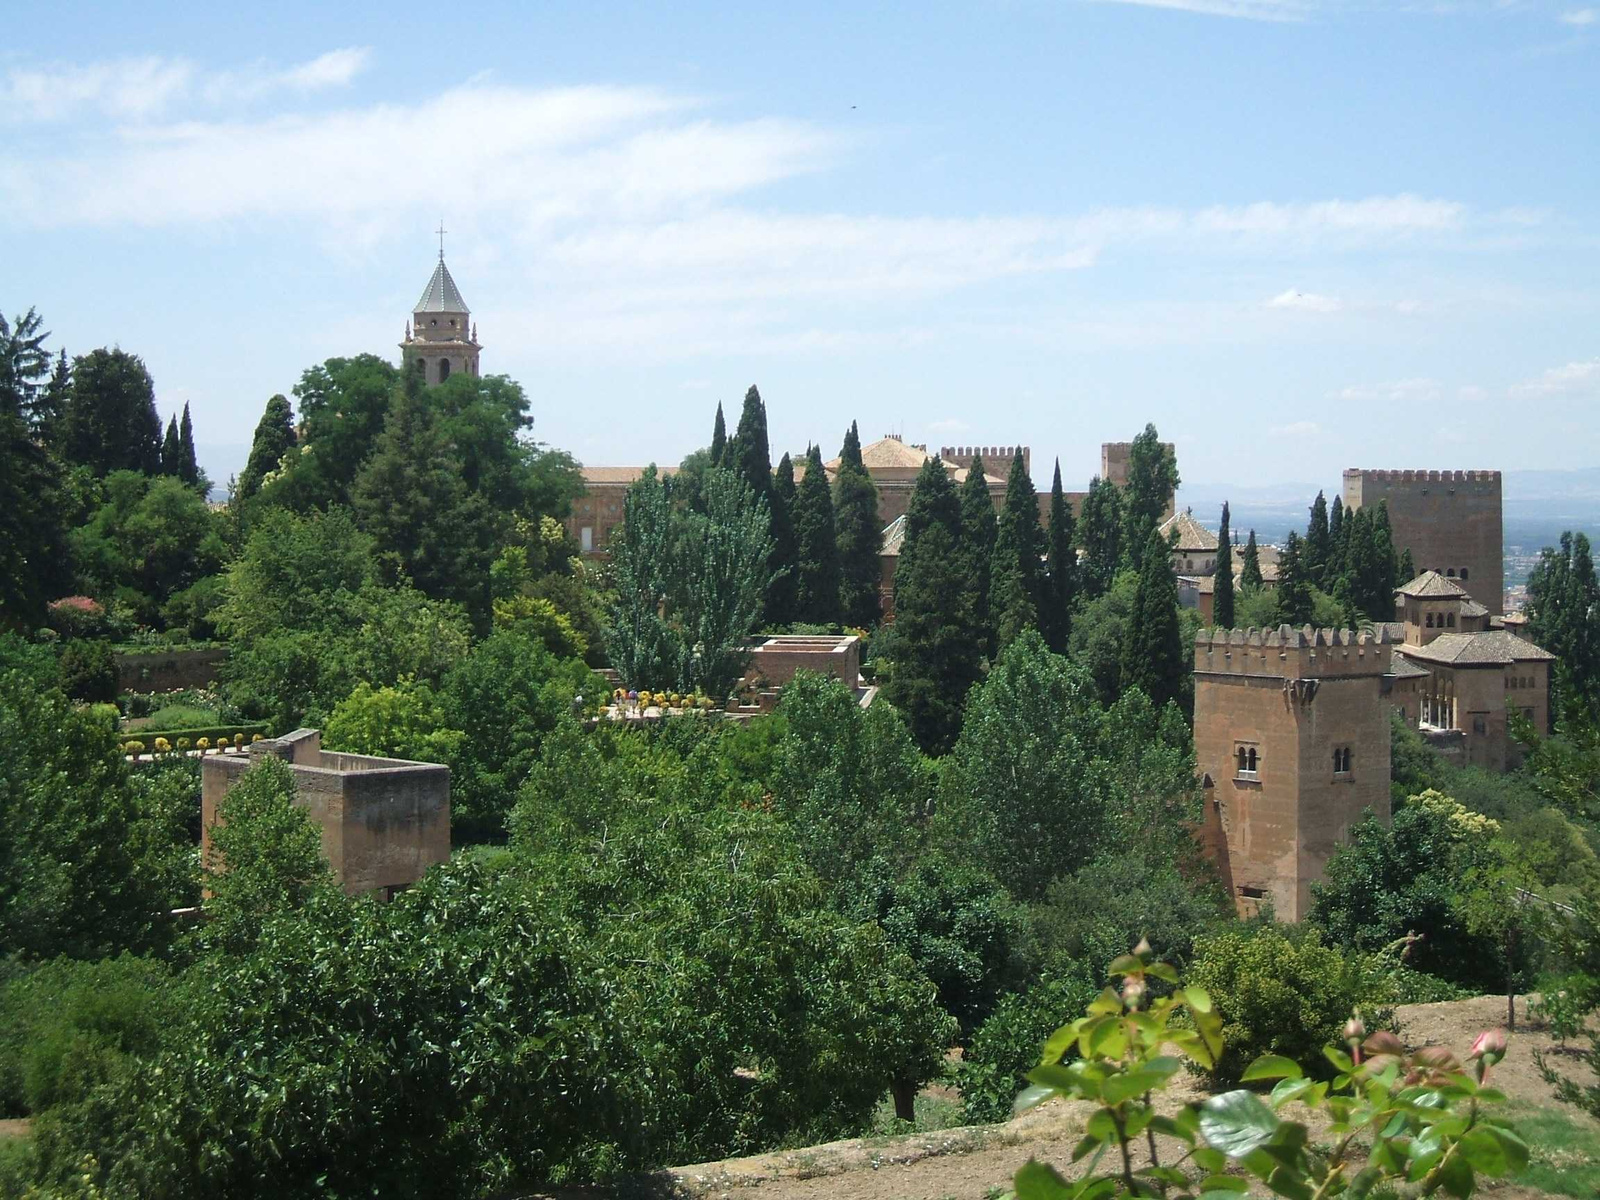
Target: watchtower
{"x":1291,"y":729}
{"x":1449,"y":520}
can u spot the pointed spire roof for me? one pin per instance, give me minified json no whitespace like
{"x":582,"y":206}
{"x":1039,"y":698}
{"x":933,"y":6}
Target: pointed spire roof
{"x":441,"y":294}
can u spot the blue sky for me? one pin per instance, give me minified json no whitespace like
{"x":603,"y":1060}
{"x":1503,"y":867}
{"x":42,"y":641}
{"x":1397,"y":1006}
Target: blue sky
{"x":1298,"y":235}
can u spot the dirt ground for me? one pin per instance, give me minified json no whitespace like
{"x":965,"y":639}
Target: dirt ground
{"x":977,"y":1162}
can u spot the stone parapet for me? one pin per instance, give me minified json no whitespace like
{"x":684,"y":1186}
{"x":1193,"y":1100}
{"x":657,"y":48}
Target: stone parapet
{"x":1289,"y":653}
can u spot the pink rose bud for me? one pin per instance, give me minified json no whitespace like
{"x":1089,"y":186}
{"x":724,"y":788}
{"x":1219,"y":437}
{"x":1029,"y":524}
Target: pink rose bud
{"x":1438,"y":1057}
{"x":1142,"y":950}
{"x":1384,"y":1042}
{"x":1491,"y":1042}
{"x":1354,"y":1030}
{"x":1132,"y":990}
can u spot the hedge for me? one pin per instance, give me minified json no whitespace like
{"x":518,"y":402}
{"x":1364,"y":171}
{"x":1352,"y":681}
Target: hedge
{"x":149,"y":736}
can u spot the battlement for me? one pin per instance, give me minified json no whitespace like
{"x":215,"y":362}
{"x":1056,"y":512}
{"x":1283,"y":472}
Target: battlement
{"x":1404,"y":477}
{"x":962,"y":456}
{"x":1290,"y":653}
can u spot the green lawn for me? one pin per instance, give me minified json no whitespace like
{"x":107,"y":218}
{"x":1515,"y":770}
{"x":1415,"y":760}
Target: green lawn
{"x":1565,"y":1146}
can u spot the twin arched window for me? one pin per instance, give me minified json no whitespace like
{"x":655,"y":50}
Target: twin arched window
{"x":1343,"y":757}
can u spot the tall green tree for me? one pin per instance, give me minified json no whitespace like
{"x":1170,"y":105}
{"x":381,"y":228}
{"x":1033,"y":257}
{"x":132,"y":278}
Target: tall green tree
{"x":1564,"y":618}
{"x":979,"y":528}
{"x":1250,"y":565}
{"x":1334,"y":565}
{"x":1061,"y":562}
{"x":719,"y":437}
{"x":1100,"y":529}
{"x":1407,"y":571}
{"x":1152,"y":481}
{"x":782,"y":603}
{"x":24,"y":363}
{"x":860,"y":536}
{"x":1015,"y":582}
{"x":274,"y":437}
{"x":1222,"y":594}
{"x":1318,"y":548}
{"x":816,"y":535}
{"x":411,"y":496}
{"x":188,"y":466}
{"x":342,"y":405}
{"x":111,"y":422}
{"x":937,"y":646}
{"x":1153,"y":658}
{"x":1294,"y":588}
{"x":34,"y":567}
{"x":643,"y":645}
{"x":171,"y":451}
{"x":748,"y":454}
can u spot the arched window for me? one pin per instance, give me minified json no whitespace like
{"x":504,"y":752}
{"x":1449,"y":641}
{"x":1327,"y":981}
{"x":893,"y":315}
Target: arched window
{"x":422,"y":367}
{"x":1450,"y":620}
{"x":1252,"y":759}
{"x":1430,"y":620}
{"x":1463,"y":573}
{"x":1241,"y":758}
{"x":444,"y":369}
{"x":1450,"y":572}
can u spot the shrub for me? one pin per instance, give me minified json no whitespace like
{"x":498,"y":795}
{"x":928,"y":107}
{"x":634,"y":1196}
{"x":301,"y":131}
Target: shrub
{"x":77,"y":617}
{"x":1006,"y":1046}
{"x":1418,"y":987}
{"x":88,"y":671}
{"x":1283,"y":995}
{"x":1565,"y":1003}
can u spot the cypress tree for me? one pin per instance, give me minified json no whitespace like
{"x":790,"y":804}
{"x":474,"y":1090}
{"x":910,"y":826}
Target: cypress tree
{"x":1100,"y":536}
{"x":1385,"y":565}
{"x":1222,"y":586}
{"x":1152,"y":649}
{"x":188,"y":466}
{"x":781,"y":603}
{"x":274,"y":437}
{"x":1152,"y":481}
{"x":1408,"y":566}
{"x":817,"y":593}
{"x":719,"y":438}
{"x":1317,"y":549}
{"x":51,"y":403}
{"x":748,"y":453}
{"x":1017,"y":574}
{"x":171,"y":450}
{"x":978,"y":528}
{"x":860,"y":536}
{"x":936,"y":649}
{"x":1294,"y":589}
{"x":1250,"y":566}
{"x":1564,"y":618}
{"x":1336,"y":516}
{"x":1062,"y":564}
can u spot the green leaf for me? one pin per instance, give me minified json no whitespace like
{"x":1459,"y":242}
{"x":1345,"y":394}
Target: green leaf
{"x":1163,"y":971}
{"x":1455,"y":1175}
{"x":1172,"y":1129}
{"x":1199,"y":999}
{"x":1287,"y":1181}
{"x":1361,"y":1186}
{"x":1271,"y":1066}
{"x":1491,"y":1096}
{"x":1133,"y":1083}
{"x":1511,"y":1143}
{"x":1125,"y":964}
{"x":1290,"y":1089}
{"x":1237,"y":1122}
{"x":1053,"y":1075}
{"x":1209,"y":1026}
{"x":1211,"y":1160}
{"x":1060,"y":1042}
{"x":1031,"y":1097}
{"x":1224,"y":1183}
{"x":1165,"y":1174}
{"x":1484,"y":1151}
{"x":1101,"y":1124}
{"x":1084,"y":1146}
{"x":1035,"y":1180}
{"x":1339,"y":1059}
{"x":1106,"y":1003}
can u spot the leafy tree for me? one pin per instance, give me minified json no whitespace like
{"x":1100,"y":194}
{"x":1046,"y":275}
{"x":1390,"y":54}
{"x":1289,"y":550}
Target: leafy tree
{"x":1222,"y":597}
{"x":781,"y":606}
{"x":342,"y":404}
{"x":1100,"y":530}
{"x":719,"y":438}
{"x":817,"y":593}
{"x":1005,"y":1049}
{"x":89,"y":671}
{"x":979,"y":529}
{"x":411,"y":496}
{"x":644,"y":647}
{"x":68,"y":881}
{"x":1250,"y":569}
{"x":1016,"y":581}
{"x":938,"y":647}
{"x":1152,"y":481}
{"x":274,"y":437}
{"x":1317,"y":551}
{"x":1098,"y":632}
{"x":110,"y":423}
{"x":1294,"y":587}
{"x":722,"y":576}
{"x":860,"y":536}
{"x":1153,"y":658}
{"x":150,"y":540}
{"x":1564,"y":618}
{"x":1025,"y":765}
{"x":406,"y":720}
{"x":1062,"y":564}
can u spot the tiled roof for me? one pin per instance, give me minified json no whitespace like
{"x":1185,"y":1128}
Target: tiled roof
{"x":1431,"y":584}
{"x":1192,"y":536}
{"x":887,"y":453}
{"x":1394,"y":631}
{"x":1495,"y":646}
{"x":1471,"y":608}
{"x":441,"y":295}
{"x":1402,"y":667}
{"x":619,"y":474}
{"x":959,"y":475}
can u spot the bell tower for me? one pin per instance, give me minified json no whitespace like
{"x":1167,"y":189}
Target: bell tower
{"x":440,"y":338}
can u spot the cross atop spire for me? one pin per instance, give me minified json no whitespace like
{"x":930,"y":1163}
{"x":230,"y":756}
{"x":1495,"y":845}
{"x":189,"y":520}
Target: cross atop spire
{"x":441,"y":232}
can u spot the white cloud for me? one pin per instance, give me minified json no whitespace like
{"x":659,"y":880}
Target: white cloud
{"x":1580,"y":17}
{"x":1573,"y":379}
{"x":1252,"y":10}
{"x":1296,"y":430}
{"x":1399,"y":391}
{"x":1297,"y":301}
{"x":143,"y":88}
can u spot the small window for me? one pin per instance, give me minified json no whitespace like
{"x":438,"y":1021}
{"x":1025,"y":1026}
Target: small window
{"x":1480,"y":723}
{"x":433,"y":321}
{"x":1450,"y":573}
{"x":1342,"y":759}
{"x":1430,"y":620}
{"x":1253,"y":893}
{"x":444,"y":369}
{"x":1463,"y":574}
{"x":1245,"y":759}
{"x":586,"y":538}
{"x":452,"y":322}
{"x":422,"y":367}
{"x":1450,"y":620}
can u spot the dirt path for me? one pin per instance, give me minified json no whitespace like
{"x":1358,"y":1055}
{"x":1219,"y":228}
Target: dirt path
{"x":977,"y":1162}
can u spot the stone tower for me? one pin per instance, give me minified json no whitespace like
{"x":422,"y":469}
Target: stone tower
{"x":1291,"y":731}
{"x":440,"y":340}
{"x":1449,"y":520}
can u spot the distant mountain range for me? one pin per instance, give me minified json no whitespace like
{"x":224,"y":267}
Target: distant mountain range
{"x":1538,"y":506}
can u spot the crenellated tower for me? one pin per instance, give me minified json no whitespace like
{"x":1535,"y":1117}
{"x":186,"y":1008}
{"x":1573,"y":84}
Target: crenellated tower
{"x":1291,"y":732}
